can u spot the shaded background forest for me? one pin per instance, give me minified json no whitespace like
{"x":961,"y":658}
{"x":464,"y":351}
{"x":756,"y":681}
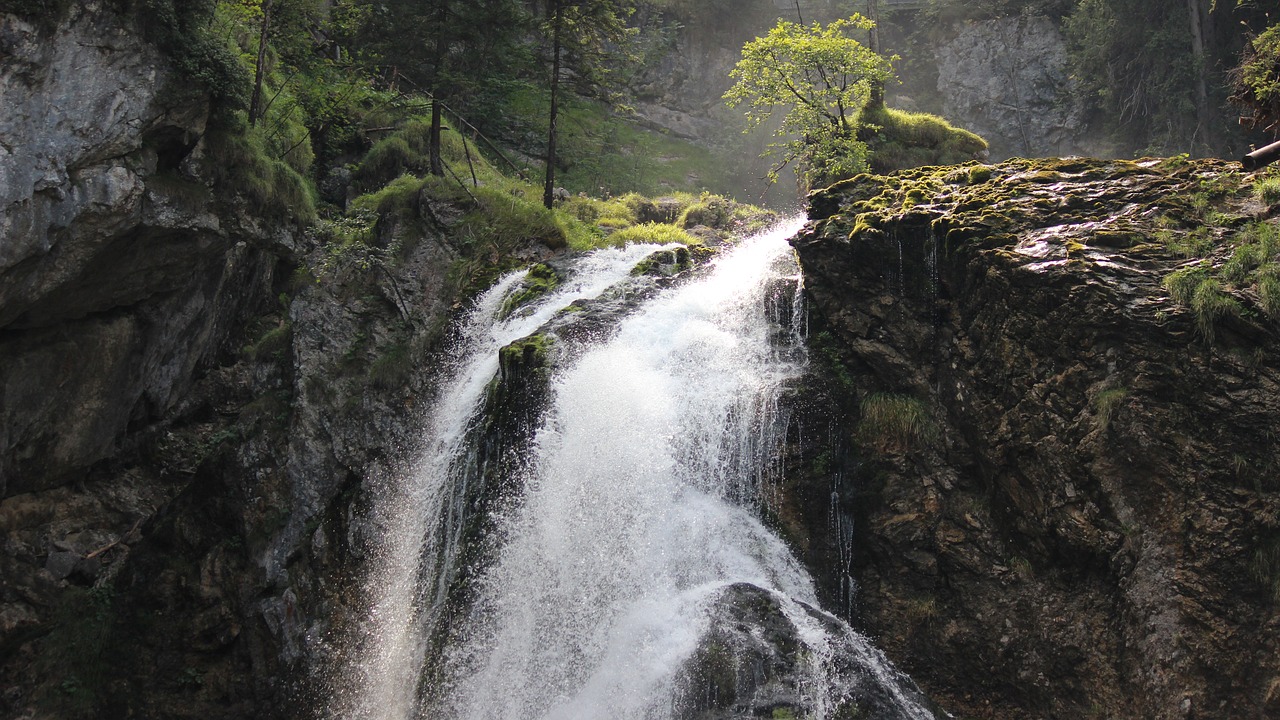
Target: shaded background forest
{"x":642,"y":109}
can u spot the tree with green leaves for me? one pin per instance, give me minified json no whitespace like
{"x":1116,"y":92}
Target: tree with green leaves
{"x":583,"y":35}
{"x":819,"y":77}
{"x":440,"y":47}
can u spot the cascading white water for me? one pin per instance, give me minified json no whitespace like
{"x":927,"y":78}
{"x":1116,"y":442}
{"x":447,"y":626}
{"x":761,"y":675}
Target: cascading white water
{"x":419,"y":538}
{"x":638,"y":509}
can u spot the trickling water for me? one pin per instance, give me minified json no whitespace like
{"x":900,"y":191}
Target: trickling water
{"x":638,"y":511}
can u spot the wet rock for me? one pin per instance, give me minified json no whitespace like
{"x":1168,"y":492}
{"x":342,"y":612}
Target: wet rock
{"x":755,"y":662}
{"x":1075,"y":531}
{"x":61,"y":564}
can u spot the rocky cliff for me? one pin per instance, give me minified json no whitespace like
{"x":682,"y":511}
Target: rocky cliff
{"x":1055,"y":465}
{"x":172,"y":450}
{"x":1007,"y":80}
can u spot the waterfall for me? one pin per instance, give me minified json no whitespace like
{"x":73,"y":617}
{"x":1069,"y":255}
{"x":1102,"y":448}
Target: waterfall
{"x":632,"y":540}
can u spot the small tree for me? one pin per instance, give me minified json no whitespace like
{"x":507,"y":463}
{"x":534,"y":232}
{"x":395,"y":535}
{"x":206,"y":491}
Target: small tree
{"x":583,"y":34}
{"x":821,"y":77}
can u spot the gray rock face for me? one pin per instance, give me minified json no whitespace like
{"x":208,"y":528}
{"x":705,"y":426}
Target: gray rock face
{"x":1007,"y":80}
{"x":118,"y":275}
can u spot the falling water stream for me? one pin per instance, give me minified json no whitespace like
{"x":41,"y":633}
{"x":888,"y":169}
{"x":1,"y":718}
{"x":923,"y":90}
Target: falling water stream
{"x":637,"y":510}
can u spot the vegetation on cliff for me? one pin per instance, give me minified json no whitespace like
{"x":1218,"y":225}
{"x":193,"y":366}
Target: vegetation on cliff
{"x":835,"y":123}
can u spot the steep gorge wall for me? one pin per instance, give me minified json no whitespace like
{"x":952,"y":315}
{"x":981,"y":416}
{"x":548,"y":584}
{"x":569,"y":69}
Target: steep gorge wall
{"x":120,"y":273}
{"x":1071,"y":508}
{"x":188,"y":424}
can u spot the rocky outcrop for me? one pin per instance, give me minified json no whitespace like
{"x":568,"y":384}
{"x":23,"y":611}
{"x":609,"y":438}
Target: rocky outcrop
{"x":1060,"y":490}
{"x":127,"y":278}
{"x":119,"y":273}
{"x":1007,"y":80}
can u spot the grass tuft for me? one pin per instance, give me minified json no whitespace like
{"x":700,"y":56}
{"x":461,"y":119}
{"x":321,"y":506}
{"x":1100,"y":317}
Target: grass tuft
{"x":659,"y":233}
{"x":894,"y":423}
{"x":898,"y":140}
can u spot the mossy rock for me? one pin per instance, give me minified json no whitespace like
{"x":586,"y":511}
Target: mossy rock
{"x":540,"y":280}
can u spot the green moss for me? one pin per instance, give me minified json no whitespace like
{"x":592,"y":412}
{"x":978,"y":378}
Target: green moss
{"x":898,"y":140}
{"x":979,"y":174}
{"x":672,"y":262}
{"x":533,"y":351}
{"x":540,"y":280}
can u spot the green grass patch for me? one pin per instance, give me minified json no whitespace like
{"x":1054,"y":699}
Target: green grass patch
{"x":1105,"y":405}
{"x":1264,"y":567}
{"x":659,"y":233}
{"x":250,"y":163}
{"x":1195,"y":243}
{"x":604,"y":154}
{"x":898,"y":140}
{"x":894,"y":423}
{"x":392,"y":368}
{"x":1267,"y":190}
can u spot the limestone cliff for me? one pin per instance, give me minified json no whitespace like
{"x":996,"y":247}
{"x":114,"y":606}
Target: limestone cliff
{"x":1007,"y":80}
{"x":1058,"y":480}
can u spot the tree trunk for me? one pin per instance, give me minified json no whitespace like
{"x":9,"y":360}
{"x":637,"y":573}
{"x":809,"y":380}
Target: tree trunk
{"x":255,"y":102}
{"x":437,"y":115}
{"x":1203,"y":117}
{"x":548,"y":189}
{"x":873,"y":14}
